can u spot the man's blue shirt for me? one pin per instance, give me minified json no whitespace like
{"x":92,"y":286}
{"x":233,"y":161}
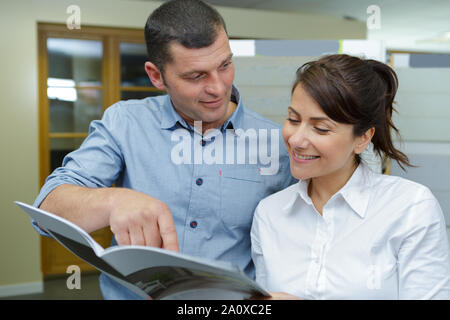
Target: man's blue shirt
{"x":211,"y":190}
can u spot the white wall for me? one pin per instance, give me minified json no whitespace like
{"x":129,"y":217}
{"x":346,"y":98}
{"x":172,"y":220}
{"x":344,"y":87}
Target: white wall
{"x":265,"y":83}
{"x":423,"y":104}
{"x":19,"y":244}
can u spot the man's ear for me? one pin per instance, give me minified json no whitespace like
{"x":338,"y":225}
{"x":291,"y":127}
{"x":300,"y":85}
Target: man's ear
{"x":364,"y":140}
{"x":154,"y":75}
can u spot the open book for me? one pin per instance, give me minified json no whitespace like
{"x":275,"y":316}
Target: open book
{"x":151,"y":272}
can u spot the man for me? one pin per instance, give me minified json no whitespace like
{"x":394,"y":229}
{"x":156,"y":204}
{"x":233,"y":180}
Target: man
{"x":192,"y":207}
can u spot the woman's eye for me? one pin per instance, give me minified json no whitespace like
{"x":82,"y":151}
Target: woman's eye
{"x":321,"y":130}
{"x":293,"y":120}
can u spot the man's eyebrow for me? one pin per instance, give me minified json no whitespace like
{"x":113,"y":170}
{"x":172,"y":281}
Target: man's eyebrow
{"x":188,"y":73}
{"x":228,"y":58}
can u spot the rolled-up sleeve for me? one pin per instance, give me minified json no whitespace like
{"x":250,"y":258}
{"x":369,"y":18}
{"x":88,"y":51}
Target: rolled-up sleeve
{"x":96,"y":164}
{"x":423,"y":258}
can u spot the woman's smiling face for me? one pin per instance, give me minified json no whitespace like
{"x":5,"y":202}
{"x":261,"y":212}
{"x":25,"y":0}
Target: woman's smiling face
{"x":317,"y":145}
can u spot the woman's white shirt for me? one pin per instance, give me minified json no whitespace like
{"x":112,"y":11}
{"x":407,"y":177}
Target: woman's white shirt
{"x":380,"y":237}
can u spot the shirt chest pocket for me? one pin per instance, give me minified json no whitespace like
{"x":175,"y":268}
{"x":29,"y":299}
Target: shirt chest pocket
{"x":241,"y":190}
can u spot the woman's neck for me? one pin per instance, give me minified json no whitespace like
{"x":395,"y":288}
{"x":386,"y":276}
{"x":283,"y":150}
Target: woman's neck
{"x":321,"y":189}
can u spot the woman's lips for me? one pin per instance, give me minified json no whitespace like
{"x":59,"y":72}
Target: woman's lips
{"x":303,"y":158}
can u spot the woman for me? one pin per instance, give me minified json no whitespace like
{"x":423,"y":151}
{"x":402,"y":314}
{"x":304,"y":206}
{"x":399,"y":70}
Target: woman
{"x":345,"y":232}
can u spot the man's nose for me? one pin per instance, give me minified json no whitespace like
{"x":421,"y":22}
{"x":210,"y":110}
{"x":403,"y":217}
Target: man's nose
{"x":215,"y":85}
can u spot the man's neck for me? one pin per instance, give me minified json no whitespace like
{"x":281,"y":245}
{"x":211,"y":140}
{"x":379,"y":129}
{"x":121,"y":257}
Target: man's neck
{"x":212,"y":125}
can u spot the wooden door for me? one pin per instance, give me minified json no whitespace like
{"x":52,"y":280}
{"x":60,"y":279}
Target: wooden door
{"x":81,"y":73}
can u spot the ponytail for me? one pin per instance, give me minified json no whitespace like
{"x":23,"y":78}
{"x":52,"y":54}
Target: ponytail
{"x":382,"y":139}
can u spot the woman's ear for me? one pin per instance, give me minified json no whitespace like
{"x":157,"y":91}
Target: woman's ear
{"x":155,"y":75}
{"x":363,"y":141}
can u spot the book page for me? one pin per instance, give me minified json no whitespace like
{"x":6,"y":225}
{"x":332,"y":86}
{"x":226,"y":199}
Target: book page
{"x":52,"y":222}
{"x":164,"y":274}
{"x":159,"y":273}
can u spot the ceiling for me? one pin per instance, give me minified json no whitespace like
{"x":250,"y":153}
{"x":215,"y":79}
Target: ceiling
{"x":413,"y":25}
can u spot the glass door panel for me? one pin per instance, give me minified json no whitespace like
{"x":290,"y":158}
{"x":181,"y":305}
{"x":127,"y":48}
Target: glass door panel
{"x":72,"y":110}
{"x":74,"y":83}
{"x":132,"y":59}
{"x":74,"y":62}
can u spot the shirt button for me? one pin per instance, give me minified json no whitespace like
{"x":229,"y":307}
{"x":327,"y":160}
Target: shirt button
{"x":193,"y":224}
{"x":199,"y":181}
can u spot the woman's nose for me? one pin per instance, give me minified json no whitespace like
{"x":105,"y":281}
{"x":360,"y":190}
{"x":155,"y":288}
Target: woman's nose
{"x":299,"y":139}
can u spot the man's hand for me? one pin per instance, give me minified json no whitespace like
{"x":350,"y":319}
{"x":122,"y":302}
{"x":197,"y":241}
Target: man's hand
{"x":134,"y":217}
{"x":139,"y":219}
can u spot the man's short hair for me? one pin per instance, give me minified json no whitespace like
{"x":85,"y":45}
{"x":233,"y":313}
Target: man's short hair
{"x":191,"y":23}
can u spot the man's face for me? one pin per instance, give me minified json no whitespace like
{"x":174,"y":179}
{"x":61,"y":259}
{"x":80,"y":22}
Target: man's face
{"x":199,"y":81}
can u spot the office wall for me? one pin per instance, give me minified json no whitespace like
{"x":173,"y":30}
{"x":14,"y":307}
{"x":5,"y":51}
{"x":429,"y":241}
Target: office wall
{"x":265,"y":83}
{"x":423,"y":104}
{"x":19,"y":244}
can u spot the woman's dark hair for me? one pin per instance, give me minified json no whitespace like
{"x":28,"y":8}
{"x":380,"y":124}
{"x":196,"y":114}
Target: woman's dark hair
{"x":191,"y":23}
{"x":358,"y":92}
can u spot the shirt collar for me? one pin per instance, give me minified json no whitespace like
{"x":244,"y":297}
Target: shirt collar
{"x":170,"y":117}
{"x":235,"y":121}
{"x":356,"y":192}
{"x":300,"y":190}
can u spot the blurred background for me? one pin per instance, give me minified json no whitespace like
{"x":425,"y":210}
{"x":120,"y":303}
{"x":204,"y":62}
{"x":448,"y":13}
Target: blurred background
{"x":64,"y":62}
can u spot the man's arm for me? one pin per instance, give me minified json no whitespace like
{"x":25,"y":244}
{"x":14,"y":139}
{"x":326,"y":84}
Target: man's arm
{"x":134,"y":217}
{"x":80,"y":191}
